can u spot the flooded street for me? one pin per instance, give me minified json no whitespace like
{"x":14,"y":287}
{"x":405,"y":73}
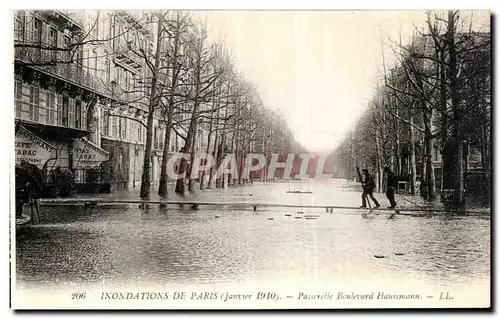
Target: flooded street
{"x":125,"y":244}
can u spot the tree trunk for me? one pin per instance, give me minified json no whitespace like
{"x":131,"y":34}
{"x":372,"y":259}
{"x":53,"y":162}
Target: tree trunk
{"x":162,"y":188}
{"x":153,"y":102}
{"x":397,"y":146}
{"x":191,"y":177}
{"x":379,"y":163}
{"x":222,"y":180}
{"x":458,"y":194}
{"x":214,"y":155}
{"x":428,"y":146}
{"x":413,"y":159}
{"x":209,"y":145}
{"x":444,"y":117}
{"x":179,"y":185}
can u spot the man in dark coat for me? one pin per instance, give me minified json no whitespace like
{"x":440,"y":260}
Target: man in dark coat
{"x":392,"y":183}
{"x":368,"y":186}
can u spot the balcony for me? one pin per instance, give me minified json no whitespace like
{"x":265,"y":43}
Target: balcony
{"x":134,"y":17}
{"x":42,"y":60}
{"x":125,"y":56}
{"x":68,"y":19}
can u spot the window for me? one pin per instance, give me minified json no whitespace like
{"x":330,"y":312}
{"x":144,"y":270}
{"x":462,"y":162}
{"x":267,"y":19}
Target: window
{"x":59,"y":108}
{"x":108,"y":71}
{"x":18,"y":93}
{"x":114,"y":127}
{"x":50,"y":107}
{"x":78,"y":114}
{"x":110,"y":31}
{"x":53,"y":42}
{"x":71,"y":112}
{"x":94,"y":63}
{"x":65,"y":107}
{"x":161,"y":140}
{"x":122,"y":125}
{"x":19,"y":26}
{"x":34,"y":103}
{"x":85,"y":125}
{"x":94,"y":26}
{"x":124,"y":128}
{"x":66,"y":54}
{"x":36,"y":37}
{"x":139,"y":132}
{"x":117,"y":75}
{"x":156,"y":138}
{"x":106,"y":124}
{"x":37,"y":31}
{"x":127,"y":81}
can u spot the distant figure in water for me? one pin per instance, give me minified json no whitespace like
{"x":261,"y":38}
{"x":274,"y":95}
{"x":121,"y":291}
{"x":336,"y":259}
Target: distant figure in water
{"x":392,"y":183}
{"x":368,"y":186}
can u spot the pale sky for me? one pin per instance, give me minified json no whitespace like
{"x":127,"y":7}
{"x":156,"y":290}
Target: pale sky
{"x":319,"y":67}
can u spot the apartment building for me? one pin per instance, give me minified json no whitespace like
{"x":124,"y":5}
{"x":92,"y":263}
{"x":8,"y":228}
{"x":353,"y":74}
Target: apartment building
{"x":80,"y":91}
{"x":57,"y":100}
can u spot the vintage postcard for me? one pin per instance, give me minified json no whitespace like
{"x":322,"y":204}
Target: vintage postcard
{"x":167,"y":159}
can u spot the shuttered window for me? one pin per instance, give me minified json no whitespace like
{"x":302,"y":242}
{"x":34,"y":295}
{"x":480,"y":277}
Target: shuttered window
{"x":18,"y":90}
{"x":65,"y":108}
{"x":34,"y":103}
{"x":50,"y":107}
{"x":71,"y":113}
{"x":78,"y":114}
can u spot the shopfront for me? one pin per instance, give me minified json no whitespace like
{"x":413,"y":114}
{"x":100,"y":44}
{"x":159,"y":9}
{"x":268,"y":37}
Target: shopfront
{"x":56,"y":154}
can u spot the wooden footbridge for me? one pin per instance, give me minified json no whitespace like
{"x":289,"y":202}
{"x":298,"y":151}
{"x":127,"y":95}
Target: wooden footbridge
{"x":198,"y":205}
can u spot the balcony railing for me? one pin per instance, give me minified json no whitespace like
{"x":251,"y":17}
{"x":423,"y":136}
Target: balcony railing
{"x":71,"y":19}
{"x":49,"y":62}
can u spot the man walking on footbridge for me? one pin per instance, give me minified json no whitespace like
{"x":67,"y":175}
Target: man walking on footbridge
{"x":392,"y":184}
{"x":368,"y":184}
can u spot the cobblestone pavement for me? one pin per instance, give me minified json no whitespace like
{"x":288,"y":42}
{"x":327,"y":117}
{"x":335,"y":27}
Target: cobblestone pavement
{"x":124,"y":244}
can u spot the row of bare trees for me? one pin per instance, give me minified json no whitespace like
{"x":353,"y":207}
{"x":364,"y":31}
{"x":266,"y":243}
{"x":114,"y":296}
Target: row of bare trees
{"x":431,"y":109}
{"x":194,"y":85}
{"x":182,"y":83}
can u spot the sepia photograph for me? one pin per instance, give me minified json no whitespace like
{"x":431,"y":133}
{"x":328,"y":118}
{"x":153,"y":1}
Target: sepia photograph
{"x":250,"y":159}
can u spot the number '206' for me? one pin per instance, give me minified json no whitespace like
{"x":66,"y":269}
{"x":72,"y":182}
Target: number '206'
{"x":78,"y":295}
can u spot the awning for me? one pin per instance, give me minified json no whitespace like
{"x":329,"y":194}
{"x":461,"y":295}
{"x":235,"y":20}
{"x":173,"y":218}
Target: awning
{"x":86,"y":154}
{"x":32,"y":149}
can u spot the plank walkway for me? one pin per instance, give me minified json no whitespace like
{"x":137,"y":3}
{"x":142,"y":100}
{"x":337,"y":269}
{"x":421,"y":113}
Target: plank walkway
{"x":250,"y":205}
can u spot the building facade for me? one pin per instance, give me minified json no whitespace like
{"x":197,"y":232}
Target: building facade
{"x":81,"y":95}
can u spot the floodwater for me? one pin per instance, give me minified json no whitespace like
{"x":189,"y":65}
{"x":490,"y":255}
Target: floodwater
{"x":125,"y":244}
